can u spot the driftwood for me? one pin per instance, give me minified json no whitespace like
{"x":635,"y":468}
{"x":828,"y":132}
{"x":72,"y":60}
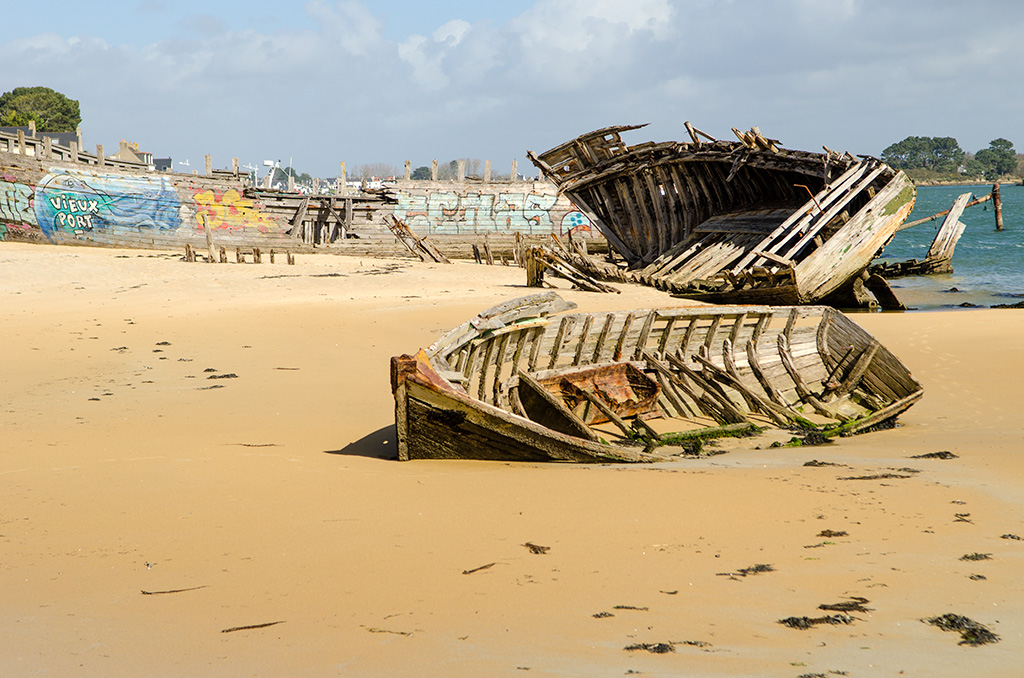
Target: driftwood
{"x":417,"y":245}
{"x":563,"y":264}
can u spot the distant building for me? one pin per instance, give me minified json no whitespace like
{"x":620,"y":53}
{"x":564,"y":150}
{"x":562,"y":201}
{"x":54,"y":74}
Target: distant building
{"x":58,"y":138}
{"x":129,"y":152}
{"x":163,"y":164}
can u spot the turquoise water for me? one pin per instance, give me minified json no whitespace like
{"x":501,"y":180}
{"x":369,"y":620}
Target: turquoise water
{"x":988,"y":266}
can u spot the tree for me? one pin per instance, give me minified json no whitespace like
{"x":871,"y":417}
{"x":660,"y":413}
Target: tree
{"x":421,"y":174}
{"x":51,"y":111}
{"x":998,"y":159}
{"x":936,"y":153}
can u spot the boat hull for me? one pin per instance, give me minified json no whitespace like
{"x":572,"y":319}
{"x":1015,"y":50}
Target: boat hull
{"x":521,"y":381}
{"x":735,"y":222}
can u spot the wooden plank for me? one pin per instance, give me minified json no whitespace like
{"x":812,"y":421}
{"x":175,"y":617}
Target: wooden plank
{"x":857,"y":371}
{"x":620,"y":345}
{"x":575,"y":425}
{"x":602,"y":337}
{"x":588,"y":321}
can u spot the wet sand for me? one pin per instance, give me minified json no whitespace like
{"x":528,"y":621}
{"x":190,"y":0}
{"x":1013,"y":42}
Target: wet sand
{"x":161,"y":517}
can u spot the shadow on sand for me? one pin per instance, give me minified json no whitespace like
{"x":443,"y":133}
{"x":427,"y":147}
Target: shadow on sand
{"x":377,"y":445}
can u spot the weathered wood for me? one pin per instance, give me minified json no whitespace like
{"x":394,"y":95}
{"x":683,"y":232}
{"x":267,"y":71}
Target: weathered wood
{"x":534,"y":267}
{"x":490,"y":350}
{"x":997,"y":203}
{"x":677,"y":212}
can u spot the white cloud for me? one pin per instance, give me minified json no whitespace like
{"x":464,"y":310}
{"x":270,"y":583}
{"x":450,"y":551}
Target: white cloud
{"x":452,"y":32}
{"x":357,"y":30}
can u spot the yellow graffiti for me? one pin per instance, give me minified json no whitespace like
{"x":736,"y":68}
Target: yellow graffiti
{"x":230,"y":211}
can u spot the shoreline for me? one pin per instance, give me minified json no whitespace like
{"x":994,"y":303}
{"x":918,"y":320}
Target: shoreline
{"x":275,"y":536}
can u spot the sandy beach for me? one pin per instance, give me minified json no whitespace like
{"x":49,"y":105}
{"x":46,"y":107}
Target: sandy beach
{"x":198,"y":479}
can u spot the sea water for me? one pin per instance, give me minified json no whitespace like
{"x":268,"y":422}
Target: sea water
{"x":988,"y":265}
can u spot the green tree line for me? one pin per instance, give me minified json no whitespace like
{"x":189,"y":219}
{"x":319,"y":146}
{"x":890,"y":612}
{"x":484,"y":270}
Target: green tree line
{"x":943,"y":156}
{"x":51,"y":111}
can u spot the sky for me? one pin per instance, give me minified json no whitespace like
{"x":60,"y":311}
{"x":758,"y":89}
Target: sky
{"x":315,"y":83}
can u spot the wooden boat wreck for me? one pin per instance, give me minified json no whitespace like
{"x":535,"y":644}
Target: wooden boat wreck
{"x":525,"y":381}
{"x":736,"y":222}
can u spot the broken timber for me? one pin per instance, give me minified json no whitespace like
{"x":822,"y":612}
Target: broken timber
{"x":417,"y":245}
{"x":523,"y":381}
{"x":738,"y":222}
{"x":940,"y":255}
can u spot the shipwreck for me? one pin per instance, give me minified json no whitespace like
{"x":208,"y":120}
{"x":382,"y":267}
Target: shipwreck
{"x":743,"y":221}
{"x":526,"y":381}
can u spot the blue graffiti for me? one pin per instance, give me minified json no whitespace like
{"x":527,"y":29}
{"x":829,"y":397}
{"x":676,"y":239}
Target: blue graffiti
{"x":74,"y":202}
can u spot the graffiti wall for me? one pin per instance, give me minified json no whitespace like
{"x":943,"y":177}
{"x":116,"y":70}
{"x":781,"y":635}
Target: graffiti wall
{"x":76,"y":203}
{"x":230,"y":211}
{"x":60,"y":204}
{"x":492,"y":209}
{"x":16,"y":211}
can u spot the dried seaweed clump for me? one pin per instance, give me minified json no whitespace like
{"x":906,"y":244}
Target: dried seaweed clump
{"x":854,"y":604}
{"x":655,"y":648}
{"x":976,"y":556}
{"x":804,"y":623}
{"x":971,"y":632}
{"x":755,"y":569}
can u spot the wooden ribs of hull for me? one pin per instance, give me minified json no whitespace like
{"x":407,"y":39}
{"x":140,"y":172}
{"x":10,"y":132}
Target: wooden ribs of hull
{"x":726,"y":218}
{"x":477,"y":393}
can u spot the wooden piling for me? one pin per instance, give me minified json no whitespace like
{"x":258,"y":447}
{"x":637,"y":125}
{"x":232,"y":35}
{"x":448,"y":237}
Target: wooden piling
{"x":997,"y":201}
{"x":223,"y":255}
{"x":209,"y":238}
{"x":534,"y":267}
{"x":257,"y":256}
{"x":487,"y":250}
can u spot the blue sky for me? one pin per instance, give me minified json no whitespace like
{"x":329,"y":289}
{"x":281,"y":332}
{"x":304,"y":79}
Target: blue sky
{"x":324,"y":81}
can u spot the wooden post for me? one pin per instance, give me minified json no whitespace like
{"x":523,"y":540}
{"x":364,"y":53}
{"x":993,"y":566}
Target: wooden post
{"x":208,"y":165}
{"x":271,"y":256}
{"x":223,"y":255}
{"x":234,"y":167}
{"x":515,"y":171}
{"x":534,"y":267}
{"x":997,"y":201}
{"x":433,"y":170}
{"x":239,"y":257}
{"x":257,"y":256}
{"x":462,"y":170}
{"x":209,"y":238}
{"x":342,"y":180}
{"x":100,"y":160}
{"x":47,"y":147}
{"x":189,"y":254}
{"x":487,"y":249}
{"x":291,"y":258}
{"x":21,"y":142}
{"x":74,"y":152}
{"x":487,"y":170}
{"x":408,"y":170}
